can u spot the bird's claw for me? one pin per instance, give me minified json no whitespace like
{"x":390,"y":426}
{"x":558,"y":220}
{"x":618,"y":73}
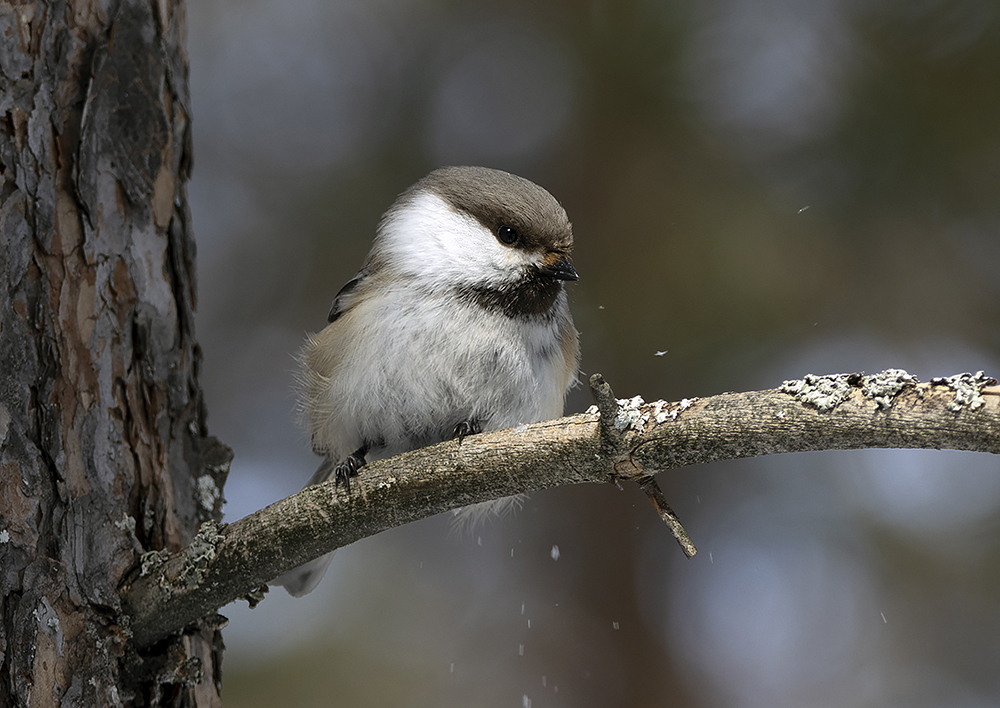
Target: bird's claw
{"x":466,"y":427}
{"x":347,"y":468}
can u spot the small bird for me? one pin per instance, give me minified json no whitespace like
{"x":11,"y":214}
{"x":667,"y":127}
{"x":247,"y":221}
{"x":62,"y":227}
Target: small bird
{"x":456,"y":324}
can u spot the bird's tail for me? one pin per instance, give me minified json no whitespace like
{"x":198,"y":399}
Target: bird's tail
{"x":304,"y":579}
{"x":469,"y":518}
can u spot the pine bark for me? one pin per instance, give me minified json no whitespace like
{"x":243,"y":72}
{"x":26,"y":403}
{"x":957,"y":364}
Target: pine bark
{"x":105,"y":454}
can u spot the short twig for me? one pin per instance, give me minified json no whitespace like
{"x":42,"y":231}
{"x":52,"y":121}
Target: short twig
{"x":612,"y":439}
{"x":655,"y":494}
{"x":607,"y":406}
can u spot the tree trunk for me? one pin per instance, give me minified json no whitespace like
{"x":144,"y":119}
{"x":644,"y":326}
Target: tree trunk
{"x":105,"y":454}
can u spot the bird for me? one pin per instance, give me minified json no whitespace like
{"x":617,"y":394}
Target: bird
{"x":457,"y":323}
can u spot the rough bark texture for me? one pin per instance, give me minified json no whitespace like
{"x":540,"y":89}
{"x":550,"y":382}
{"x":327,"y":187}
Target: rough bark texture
{"x":629,"y":441}
{"x":104,"y":449}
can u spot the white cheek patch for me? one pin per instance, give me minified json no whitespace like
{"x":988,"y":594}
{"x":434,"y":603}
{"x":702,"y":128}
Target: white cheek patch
{"x":427,"y":239}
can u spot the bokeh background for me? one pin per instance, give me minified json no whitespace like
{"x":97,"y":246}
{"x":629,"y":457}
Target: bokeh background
{"x":759,"y":190}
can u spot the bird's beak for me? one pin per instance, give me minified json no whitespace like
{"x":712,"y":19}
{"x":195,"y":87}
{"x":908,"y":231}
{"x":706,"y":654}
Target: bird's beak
{"x":561,"y":269}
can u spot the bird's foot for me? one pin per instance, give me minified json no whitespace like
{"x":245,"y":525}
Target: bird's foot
{"x":348,"y":467}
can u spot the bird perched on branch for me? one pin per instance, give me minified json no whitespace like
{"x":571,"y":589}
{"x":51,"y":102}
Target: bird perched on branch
{"x":457,"y":323}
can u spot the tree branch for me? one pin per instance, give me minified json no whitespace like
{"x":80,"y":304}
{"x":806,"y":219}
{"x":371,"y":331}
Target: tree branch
{"x":847,"y":411}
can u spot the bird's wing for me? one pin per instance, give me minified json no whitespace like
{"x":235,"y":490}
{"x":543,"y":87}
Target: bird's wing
{"x":346,"y":297}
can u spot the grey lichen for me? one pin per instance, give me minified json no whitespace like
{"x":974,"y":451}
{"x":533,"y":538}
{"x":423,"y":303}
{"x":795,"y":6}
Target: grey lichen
{"x":824,"y":392}
{"x":884,"y":386}
{"x":208,"y":492}
{"x":46,"y":616}
{"x":200,"y":554}
{"x":967,"y":387}
{"x":126,"y":523}
{"x":630,"y":414}
{"x":682,"y":406}
{"x":152,"y":560}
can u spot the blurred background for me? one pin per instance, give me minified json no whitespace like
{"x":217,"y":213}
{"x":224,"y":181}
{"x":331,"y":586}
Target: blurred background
{"x":759,"y":190}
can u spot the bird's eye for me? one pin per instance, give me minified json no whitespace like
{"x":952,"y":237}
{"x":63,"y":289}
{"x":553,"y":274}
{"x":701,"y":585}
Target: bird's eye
{"x":506,"y":235}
